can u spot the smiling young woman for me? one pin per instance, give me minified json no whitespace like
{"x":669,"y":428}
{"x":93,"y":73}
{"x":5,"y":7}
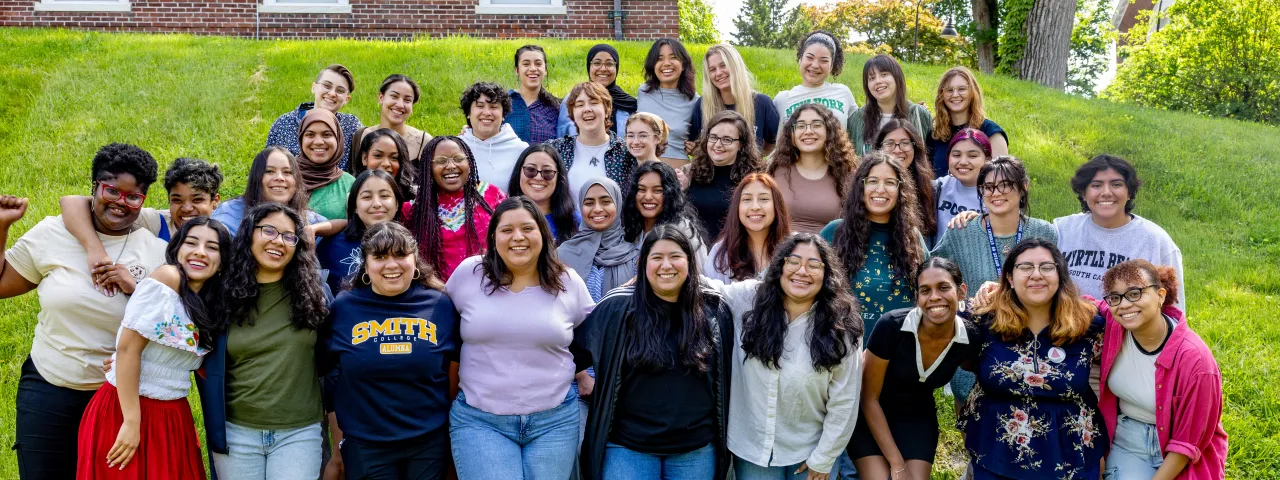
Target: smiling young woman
{"x":957,"y":192}
{"x":726,"y":85}
{"x":396,"y":98}
{"x":451,"y":211}
{"x":820,"y":57}
{"x":885,"y":90}
{"x":725,"y":155}
{"x":812,"y":164}
{"x":594,"y":151}
{"x":602,"y":70}
{"x":332,"y":90}
{"x":533,"y":108}
{"x":669,"y":92}
{"x":538,"y":176}
{"x":758,"y":221}
{"x":323,"y":180}
{"x":493,"y":142}
{"x":374,"y":199}
{"x":959,"y":105}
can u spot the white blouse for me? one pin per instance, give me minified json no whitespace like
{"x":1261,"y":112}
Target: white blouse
{"x":794,"y":413}
{"x":156,"y":312}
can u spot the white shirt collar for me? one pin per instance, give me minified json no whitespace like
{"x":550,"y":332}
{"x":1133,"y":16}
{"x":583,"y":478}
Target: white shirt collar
{"x":912,"y":324}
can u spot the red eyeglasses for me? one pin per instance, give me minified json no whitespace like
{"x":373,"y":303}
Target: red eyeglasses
{"x":112,"y":193}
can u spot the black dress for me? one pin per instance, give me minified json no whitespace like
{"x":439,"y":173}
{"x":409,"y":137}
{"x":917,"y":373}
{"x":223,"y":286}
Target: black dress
{"x":906,"y":397}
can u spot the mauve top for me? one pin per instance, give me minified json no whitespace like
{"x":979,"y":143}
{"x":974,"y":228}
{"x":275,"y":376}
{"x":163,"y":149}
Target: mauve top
{"x":515,"y":345}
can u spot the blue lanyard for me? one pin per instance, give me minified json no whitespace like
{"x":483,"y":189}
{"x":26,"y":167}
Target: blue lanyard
{"x":991,"y":242}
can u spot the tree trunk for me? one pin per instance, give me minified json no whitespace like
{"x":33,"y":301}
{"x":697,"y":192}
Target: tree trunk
{"x":985,"y":35}
{"x":1048,"y":32}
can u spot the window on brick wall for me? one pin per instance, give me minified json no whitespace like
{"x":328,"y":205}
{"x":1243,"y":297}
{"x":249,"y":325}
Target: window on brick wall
{"x":520,"y":7}
{"x":304,"y":6}
{"x":83,"y":6}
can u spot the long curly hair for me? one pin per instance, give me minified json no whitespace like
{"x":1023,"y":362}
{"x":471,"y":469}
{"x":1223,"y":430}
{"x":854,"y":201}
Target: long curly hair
{"x":204,"y":308}
{"x":839,"y":152}
{"x":1070,"y":317}
{"x":853,"y":236}
{"x":551,"y":272}
{"x":735,"y":254}
{"x":307,"y":303}
{"x":562,"y":205}
{"x":835,"y":329}
{"x":702,"y":170}
{"x":920,"y":170}
{"x":675,"y":204}
{"x":424,"y":220}
{"x":942,"y":130}
{"x":645,"y":335}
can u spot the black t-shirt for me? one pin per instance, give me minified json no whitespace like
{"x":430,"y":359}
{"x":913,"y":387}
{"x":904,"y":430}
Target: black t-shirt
{"x":712,"y":200}
{"x":903,"y":388}
{"x":670,"y":411}
{"x":766,"y":119}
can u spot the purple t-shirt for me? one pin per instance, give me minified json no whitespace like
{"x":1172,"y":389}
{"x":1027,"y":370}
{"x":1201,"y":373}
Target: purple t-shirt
{"x":515,"y":346}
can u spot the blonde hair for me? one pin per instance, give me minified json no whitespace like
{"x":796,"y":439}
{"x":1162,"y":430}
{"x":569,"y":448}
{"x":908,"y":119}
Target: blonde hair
{"x":942,"y":116}
{"x":657,"y":124}
{"x":739,"y":87}
{"x":594,"y":92}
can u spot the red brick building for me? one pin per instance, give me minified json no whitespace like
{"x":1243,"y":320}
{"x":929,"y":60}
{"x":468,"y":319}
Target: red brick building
{"x":641,"y":19}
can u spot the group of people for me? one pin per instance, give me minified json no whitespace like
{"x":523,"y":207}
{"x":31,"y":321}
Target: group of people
{"x":687,"y":282}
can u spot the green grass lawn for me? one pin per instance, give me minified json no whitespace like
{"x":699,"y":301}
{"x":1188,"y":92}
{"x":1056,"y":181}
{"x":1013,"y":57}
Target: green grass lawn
{"x":1211,"y":183}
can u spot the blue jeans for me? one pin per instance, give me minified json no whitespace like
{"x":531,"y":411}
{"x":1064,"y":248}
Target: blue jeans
{"x":270,"y":454}
{"x":1135,"y":451}
{"x":537,"y":446}
{"x":843,"y":469}
{"x":621,"y":463}
{"x":744,"y":470}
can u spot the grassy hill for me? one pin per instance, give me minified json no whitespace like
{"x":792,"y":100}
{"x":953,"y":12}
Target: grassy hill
{"x":1212,"y":184}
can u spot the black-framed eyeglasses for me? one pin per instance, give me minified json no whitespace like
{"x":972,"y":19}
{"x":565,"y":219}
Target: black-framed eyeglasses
{"x":1003,"y":186}
{"x":793,"y":262}
{"x":270,"y":233}
{"x":1045,"y":269}
{"x":530,"y":172}
{"x":890,"y":145}
{"x":1132,"y":295}
{"x":726,"y":141}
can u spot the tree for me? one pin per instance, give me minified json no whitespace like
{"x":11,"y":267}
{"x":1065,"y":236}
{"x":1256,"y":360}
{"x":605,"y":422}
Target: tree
{"x":1214,"y":57}
{"x":889,"y":26}
{"x":1048,"y":34}
{"x":760,"y":23}
{"x":697,"y":22}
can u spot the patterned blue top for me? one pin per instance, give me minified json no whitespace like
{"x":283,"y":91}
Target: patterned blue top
{"x":284,"y":131}
{"x":595,"y":282}
{"x":534,"y":123}
{"x":1033,"y":413}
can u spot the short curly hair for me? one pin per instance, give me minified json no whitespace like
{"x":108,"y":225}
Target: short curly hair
{"x":1101,"y":163}
{"x":118,"y":158}
{"x":495,"y":92}
{"x":198,"y":174}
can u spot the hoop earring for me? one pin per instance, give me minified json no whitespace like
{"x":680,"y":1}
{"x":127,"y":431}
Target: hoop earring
{"x":417,"y":274}
{"x":365,"y":278}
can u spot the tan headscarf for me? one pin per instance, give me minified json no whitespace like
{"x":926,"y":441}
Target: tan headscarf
{"x":316,"y":175}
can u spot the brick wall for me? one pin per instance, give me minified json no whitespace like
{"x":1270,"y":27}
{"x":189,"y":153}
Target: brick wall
{"x":646,"y":19}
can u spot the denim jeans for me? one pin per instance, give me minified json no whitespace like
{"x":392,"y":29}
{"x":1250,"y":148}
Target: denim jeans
{"x":843,"y":469}
{"x":744,"y":470}
{"x":1135,"y":451}
{"x":621,"y":463}
{"x":47,"y":426}
{"x":537,"y":446}
{"x":270,"y":454}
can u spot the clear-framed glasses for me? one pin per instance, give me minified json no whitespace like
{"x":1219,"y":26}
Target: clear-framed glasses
{"x":816,"y":126}
{"x":793,"y":262}
{"x":443,"y":161}
{"x":1045,"y":269}
{"x":642,"y":136}
{"x":270,"y":233}
{"x":873,"y":183}
{"x":956,"y":90}
{"x":603,"y":64}
{"x":329,"y":87}
{"x":1132,"y":295}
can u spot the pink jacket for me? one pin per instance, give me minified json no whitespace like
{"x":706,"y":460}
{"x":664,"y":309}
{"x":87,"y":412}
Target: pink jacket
{"x":1188,"y":397}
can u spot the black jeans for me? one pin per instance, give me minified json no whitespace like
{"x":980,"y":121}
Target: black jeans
{"x":48,"y":426}
{"x":422,"y":458}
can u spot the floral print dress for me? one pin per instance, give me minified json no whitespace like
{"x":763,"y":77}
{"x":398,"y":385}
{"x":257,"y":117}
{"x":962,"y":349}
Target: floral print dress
{"x":1033,"y":413}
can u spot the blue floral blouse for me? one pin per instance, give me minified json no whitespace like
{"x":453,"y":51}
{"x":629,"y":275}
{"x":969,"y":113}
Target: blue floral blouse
{"x":1033,"y":413}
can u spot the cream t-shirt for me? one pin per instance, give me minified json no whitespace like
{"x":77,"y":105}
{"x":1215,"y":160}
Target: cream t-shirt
{"x":76,"y":326}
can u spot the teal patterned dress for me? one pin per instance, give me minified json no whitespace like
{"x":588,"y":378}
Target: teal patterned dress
{"x":877,"y":286}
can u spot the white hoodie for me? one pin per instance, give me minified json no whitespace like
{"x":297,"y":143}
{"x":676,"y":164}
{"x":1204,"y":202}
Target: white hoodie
{"x":495,"y":157}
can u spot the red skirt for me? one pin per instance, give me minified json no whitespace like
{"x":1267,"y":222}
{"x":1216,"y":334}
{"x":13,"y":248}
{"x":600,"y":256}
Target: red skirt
{"x":168,"y":446}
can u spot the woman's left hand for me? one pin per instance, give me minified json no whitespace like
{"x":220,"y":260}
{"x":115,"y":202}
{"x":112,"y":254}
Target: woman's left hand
{"x":126,"y":445}
{"x":812,"y":474}
{"x":117,"y":276}
{"x":586,"y":384}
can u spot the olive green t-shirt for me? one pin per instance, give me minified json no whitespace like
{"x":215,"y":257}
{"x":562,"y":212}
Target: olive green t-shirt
{"x":272,"y":382}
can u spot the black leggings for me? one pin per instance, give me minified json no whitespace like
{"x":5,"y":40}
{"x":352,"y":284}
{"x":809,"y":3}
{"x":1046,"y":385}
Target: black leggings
{"x":48,"y":426}
{"x":422,"y":458}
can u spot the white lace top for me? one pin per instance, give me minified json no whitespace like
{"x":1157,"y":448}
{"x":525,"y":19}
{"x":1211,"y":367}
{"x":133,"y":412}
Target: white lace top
{"x":155,"y":311}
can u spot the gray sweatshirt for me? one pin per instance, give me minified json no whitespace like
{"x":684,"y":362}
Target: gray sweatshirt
{"x":1090,"y":249}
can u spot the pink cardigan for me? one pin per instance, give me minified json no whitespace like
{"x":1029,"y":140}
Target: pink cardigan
{"x":1188,"y":397}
